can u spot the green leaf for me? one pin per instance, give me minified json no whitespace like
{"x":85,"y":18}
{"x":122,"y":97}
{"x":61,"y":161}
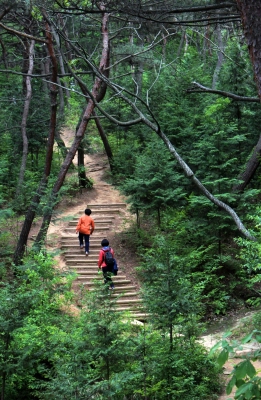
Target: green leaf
{"x":223,"y":357}
{"x":227,"y":334}
{"x":245,"y":389}
{"x":251,"y":371}
{"x":231,"y":384}
{"x":247,"y":338}
{"x":215,"y":347}
{"x":241,"y":370}
{"x":258,"y":338}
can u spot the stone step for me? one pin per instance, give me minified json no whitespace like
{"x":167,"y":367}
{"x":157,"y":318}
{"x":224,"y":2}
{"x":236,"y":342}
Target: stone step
{"x":117,"y":281}
{"x":74,"y":255}
{"x":72,"y":246}
{"x":128,"y":301}
{"x":131,"y":308}
{"x":102,"y":211}
{"x":106,"y":205}
{"x":75,"y":248}
{"x":139,"y":316}
{"x":117,"y":290}
{"x":67,"y":239}
{"x":125,"y":294}
{"x":81,"y":256}
{"x":90,"y":267}
{"x":93,"y":275}
{"x":80,"y":253}
{"x":80,"y":262}
{"x":94,"y":271}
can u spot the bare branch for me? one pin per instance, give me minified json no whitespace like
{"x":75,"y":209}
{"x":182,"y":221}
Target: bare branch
{"x":9,"y":71}
{"x":198,"y":88}
{"x":31,"y":37}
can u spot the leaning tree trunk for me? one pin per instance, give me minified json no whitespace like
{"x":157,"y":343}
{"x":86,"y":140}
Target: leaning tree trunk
{"x":22,"y":241}
{"x":28,"y":96}
{"x":83,"y":180}
{"x":250,"y":11}
{"x":98,"y":88}
{"x":61,"y":144}
{"x":104,"y":139}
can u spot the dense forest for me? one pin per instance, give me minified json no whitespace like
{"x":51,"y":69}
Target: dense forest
{"x":170,"y":91}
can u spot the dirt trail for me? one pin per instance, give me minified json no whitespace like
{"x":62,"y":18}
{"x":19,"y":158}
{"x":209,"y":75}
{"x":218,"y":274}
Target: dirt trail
{"x":97,"y":169}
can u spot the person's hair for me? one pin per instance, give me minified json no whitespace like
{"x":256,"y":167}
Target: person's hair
{"x":88,"y":211}
{"x":105,"y":242}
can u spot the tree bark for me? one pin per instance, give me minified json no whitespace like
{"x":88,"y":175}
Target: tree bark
{"x":27,"y":102}
{"x":220,"y":55}
{"x":83,"y":180}
{"x":104,"y":139}
{"x":250,"y":11}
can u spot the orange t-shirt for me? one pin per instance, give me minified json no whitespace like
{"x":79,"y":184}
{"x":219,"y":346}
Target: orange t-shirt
{"x":85,"y":225}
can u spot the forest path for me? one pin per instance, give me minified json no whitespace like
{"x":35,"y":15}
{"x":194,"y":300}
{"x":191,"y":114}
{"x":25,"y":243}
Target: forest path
{"x":111,"y":216}
{"x":97,"y":167}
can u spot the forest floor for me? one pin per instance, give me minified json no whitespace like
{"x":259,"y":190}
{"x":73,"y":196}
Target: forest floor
{"x":97,"y":168}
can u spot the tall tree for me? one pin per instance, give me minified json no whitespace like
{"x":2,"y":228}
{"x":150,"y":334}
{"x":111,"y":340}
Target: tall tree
{"x":28,"y":96}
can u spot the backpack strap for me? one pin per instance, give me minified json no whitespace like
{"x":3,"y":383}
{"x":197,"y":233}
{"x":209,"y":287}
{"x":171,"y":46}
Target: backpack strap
{"x":104,"y":253}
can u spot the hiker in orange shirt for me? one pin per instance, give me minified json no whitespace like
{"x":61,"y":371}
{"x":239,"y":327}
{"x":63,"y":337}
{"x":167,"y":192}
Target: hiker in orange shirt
{"x":85,"y":228}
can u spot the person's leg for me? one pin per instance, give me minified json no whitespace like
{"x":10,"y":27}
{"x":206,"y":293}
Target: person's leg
{"x":87,"y":243}
{"x":110,"y":274}
{"x":81,"y":240}
{"x":107,"y":277}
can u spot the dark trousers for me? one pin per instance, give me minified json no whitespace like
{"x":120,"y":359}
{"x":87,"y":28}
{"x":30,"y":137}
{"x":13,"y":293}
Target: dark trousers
{"x":86,"y":240}
{"x":107,"y":273}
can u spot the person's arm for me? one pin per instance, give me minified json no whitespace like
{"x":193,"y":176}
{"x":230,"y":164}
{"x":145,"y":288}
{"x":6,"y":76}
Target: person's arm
{"x":78,"y":226}
{"x":93,"y":226}
{"x":100,"y":261}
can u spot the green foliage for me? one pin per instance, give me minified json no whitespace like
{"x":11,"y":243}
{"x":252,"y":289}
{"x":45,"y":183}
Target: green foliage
{"x":74,"y":110}
{"x":49,"y":353}
{"x":244,"y":375}
{"x":154,"y":184}
{"x":30,"y":309}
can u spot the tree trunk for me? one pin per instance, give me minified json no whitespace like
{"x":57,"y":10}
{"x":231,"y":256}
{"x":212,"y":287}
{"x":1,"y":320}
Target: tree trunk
{"x":60,"y":143}
{"x":22,"y":241}
{"x":97,"y":93}
{"x":104,"y":139}
{"x":83,"y":180}
{"x":220,"y":55}
{"x":57,"y":40}
{"x":250,"y":11}
{"x":28,"y":96}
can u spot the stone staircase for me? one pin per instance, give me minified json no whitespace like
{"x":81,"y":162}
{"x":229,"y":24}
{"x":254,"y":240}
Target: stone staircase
{"x":107,"y":218}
